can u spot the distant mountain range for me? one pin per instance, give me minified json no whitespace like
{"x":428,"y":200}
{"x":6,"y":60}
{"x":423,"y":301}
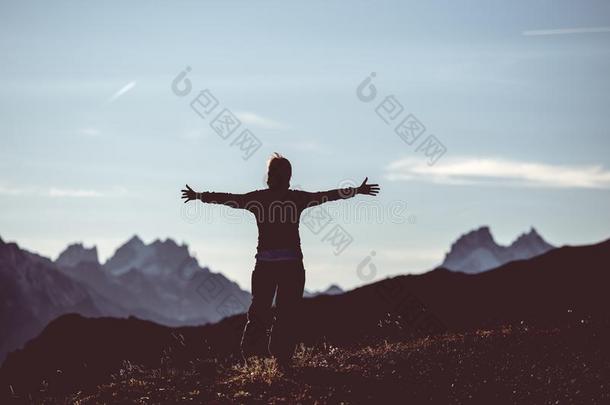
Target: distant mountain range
{"x":566,"y":287}
{"x":160,"y":282}
{"x":333,"y":289}
{"x":477,"y":251}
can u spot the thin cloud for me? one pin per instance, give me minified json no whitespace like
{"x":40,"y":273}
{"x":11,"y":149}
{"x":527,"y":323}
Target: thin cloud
{"x":73,"y":193}
{"x":565,"y":31}
{"x":59,"y":192}
{"x":10,"y":191}
{"x":250,"y":118}
{"x":496,"y":171}
{"x":90,"y":131}
{"x":122,"y":91}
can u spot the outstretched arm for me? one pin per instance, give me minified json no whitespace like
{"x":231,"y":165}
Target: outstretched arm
{"x":232,"y":200}
{"x":313,"y":199}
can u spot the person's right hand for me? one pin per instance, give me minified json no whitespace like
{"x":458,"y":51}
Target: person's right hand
{"x":188,"y":194}
{"x":368,"y":189}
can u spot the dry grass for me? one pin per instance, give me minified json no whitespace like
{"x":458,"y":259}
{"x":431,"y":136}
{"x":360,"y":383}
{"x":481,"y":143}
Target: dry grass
{"x":507,"y":365}
{"x":256,"y":370}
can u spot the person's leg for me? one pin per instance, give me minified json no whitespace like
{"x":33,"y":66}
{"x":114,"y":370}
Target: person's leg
{"x":291,"y":281}
{"x":255,"y":337}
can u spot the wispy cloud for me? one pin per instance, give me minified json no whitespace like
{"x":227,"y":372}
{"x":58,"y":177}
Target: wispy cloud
{"x":11,"y":191}
{"x":77,"y":193}
{"x":59,"y":192}
{"x":495,"y":171}
{"x":256,"y":120}
{"x":90,"y":131}
{"x":122,"y":91}
{"x":565,"y":31}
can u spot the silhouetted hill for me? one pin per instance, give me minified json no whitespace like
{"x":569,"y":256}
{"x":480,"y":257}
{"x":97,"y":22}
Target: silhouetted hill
{"x":545,"y":289}
{"x":477,"y":251}
{"x":565,"y":286}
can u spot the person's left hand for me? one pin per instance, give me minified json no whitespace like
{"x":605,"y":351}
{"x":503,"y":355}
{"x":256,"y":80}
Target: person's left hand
{"x":188,"y":194}
{"x":368,"y":189}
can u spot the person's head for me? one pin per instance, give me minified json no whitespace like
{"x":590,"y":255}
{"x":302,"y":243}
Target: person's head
{"x":279,"y":172}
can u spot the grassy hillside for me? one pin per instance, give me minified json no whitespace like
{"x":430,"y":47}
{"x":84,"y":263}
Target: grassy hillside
{"x":439,"y":337}
{"x":508,"y":365}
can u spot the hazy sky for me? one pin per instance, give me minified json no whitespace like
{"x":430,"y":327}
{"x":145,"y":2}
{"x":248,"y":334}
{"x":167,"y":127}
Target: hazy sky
{"x":95,"y":146}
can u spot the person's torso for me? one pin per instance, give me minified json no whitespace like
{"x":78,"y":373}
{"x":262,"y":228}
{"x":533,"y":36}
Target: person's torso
{"x":277,"y":214}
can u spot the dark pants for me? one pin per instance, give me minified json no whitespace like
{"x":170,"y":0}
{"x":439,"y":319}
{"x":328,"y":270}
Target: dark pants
{"x":288,"y":279}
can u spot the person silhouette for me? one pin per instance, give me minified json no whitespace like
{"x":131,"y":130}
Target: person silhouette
{"x":279,"y":270}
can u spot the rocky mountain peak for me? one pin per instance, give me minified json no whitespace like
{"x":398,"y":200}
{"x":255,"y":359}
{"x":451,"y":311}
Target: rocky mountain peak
{"x":127,"y":256}
{"x":77,"y":253}
{"x":477,"y":250}
{"x":479,"y":237}
{"x":157,"y":258}
{"x":134,"y":242}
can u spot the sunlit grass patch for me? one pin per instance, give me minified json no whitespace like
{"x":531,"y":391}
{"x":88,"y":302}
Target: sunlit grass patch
{"x":256,"y":370}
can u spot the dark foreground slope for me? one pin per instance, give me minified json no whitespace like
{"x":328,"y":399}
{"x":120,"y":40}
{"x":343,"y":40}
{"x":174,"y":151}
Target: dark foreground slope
{"x":517,"y":365}
{"x":555,"y":291}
